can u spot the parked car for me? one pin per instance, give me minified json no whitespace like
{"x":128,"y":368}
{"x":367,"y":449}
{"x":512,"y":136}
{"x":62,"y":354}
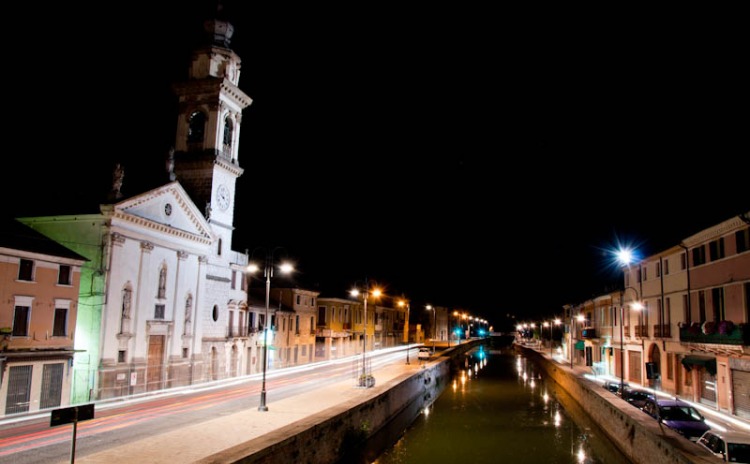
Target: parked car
{"x":637,"y":398}
{"x":730,"y":446}
{"x":678,"y":416}
{"x":614,"y":386}
{"x":424,"y":353}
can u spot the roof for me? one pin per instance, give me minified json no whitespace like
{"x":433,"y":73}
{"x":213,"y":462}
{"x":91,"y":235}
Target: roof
{"x":17,"y":236}
{"x":732,"y":436}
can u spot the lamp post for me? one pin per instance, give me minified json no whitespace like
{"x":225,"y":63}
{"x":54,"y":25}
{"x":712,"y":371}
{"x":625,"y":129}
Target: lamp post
{"x":555,"y":322}
{"x":434,"y":324}
{"x":579,"y":318}
{"x":365,"y":296}
{"x":625,"y":257}
{"x":285,"y":268}
{"x":457,"y":329}
{"x":403,"y":303}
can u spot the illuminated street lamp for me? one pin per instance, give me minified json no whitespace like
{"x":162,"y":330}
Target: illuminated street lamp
{"x":285,"y":268}
{"x":365,"y":379}
{"x":434,"y":324}
{"x":457,"y":329}
{"x":549,"y":324}
{"x":404,"y":303}
{"x":579,"y":318}
{"x":625,"y":257}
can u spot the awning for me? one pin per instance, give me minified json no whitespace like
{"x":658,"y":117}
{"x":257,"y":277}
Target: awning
{"x":580,"y":345}
{"x":701,"y":361}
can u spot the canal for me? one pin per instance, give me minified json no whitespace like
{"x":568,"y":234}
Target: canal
{"x":498,"y":407}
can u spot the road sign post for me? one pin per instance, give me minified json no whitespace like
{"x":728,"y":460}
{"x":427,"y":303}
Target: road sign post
{"x":72,"y":414}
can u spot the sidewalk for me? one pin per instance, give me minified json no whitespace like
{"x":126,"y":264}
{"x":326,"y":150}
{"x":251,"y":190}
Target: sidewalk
{"x":198,"y":442}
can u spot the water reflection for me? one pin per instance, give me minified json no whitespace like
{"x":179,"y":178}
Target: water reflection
{"x":500,"y":408}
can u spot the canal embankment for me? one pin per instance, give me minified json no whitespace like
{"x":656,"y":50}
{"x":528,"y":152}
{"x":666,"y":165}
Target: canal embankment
{"x":638,"y":436}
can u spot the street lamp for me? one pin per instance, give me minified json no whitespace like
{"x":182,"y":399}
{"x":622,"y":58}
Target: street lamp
{"x":457,"y":329}
{"x":434,"y":324}
{"x":637,"y":305}
{"x":403,"y":303}
{"x":625,"y":257}
{"x":579,"y":318}
{"x":285,"y":268}
{"x":364,"y":380}
{"x":555,"y":322}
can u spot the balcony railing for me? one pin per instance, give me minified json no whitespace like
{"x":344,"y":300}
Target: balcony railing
{"x":641,"y":331}
{"x":662,"y":331}
{"x":237,"y":332}
{"x":738,"y":336}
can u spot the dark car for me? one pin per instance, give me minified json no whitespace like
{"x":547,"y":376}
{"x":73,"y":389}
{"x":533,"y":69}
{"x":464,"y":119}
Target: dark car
{"x":614,"y":386}
{"x":637,"y":398}
{"x":678,"y":416}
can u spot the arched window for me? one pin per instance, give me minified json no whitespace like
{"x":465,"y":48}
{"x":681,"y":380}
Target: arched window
{"x":196,"y":127}
{"x":228,"y":127}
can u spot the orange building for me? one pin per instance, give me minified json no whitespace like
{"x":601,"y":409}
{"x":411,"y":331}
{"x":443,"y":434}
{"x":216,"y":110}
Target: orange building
{"x":39,"y":284}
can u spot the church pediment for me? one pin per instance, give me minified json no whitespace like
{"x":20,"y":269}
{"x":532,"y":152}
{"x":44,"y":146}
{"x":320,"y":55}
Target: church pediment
{"x":166,"y":207}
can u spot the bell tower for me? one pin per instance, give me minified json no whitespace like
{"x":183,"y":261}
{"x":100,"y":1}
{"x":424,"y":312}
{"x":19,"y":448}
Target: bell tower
{"x":209,"y":116}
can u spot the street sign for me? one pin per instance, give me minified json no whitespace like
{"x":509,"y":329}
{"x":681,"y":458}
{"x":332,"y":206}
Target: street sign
{"x":72,"y":414}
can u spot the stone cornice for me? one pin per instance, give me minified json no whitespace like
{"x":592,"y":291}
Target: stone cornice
{"x":229,"y":166}
{"x":714,"y":232}
{"x":179,"y":197}
{"x":165,"y":229}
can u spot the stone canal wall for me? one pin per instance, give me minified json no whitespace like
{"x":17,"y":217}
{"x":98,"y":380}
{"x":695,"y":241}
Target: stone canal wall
{"x":640,"y":437}
{"x":341,"y":433}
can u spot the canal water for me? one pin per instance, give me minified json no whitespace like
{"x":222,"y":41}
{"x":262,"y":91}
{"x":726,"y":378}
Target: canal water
{"x":499,"y":407}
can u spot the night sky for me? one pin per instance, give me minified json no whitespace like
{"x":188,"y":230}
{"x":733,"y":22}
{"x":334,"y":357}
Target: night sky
{"x":482,"y":160}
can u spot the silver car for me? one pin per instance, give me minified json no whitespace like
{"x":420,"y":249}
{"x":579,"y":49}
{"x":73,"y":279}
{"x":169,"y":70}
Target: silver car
{"x":730,"y":446}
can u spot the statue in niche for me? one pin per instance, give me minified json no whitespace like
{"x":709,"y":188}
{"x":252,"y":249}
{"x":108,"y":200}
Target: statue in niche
{"x":126,"y":301}
{"x":188,"y":308}
{"x":170,"y":165}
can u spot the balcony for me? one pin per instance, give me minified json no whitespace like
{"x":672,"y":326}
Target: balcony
{"x":740,"y":335}
{"x":641,"y":331}
{"x":588,"y":333}
{"x":662,"y":331}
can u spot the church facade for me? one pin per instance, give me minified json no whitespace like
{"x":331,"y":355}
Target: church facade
{"x":163,"y":299}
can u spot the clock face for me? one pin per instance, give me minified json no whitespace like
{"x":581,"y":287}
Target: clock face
{"x":223,"y":197}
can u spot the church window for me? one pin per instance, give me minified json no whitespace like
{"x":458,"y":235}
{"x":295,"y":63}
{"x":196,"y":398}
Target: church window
{"x":196,"y":127}
{"x":228,"y":132}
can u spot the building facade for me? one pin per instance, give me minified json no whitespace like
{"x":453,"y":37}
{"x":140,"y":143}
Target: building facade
{"x":163,"y":300}
{"x":681,"y":323}
{"x":39,"y":286}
